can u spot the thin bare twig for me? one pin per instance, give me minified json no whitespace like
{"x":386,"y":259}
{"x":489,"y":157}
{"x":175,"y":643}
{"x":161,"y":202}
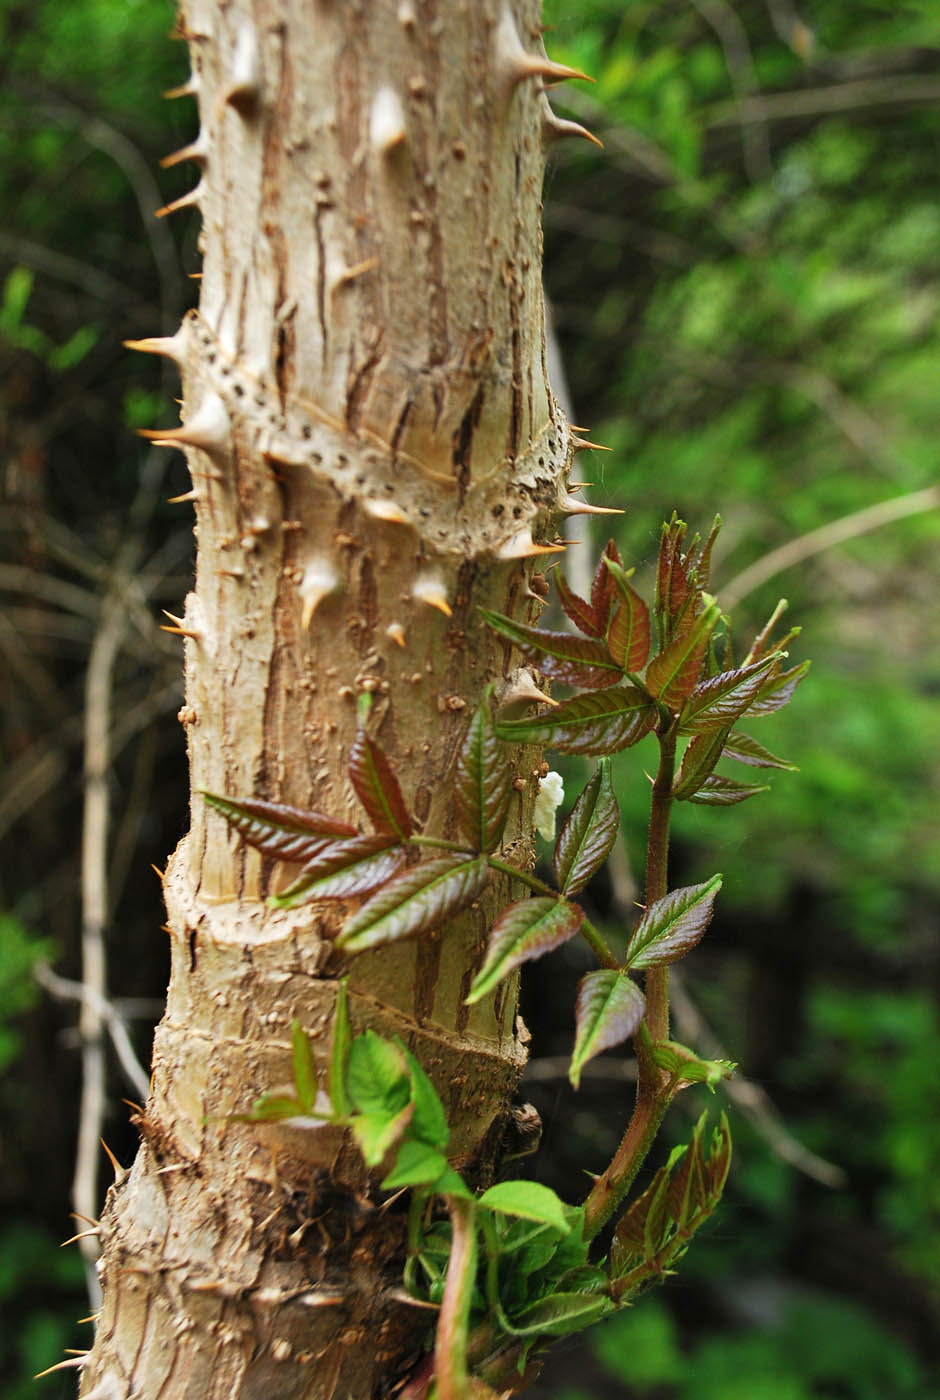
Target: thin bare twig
{"x":64,"y":989}
{"x":848,"y":527}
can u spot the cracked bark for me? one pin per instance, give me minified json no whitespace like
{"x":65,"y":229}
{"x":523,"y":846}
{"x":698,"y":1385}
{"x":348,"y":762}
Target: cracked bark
{"x":374,"y":448}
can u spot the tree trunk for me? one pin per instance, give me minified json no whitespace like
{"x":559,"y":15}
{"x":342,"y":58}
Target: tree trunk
{"x":373,"y":448}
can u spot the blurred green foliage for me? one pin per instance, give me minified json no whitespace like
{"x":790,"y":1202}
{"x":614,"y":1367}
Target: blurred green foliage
{"x":745,"y":287}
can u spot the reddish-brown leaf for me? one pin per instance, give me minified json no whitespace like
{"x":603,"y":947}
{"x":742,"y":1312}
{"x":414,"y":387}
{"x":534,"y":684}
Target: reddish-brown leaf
{"x":377,"y":787}
{"x":582,"y":661}
{"x":275,"y":829}
{"x":674,"y":673}
{"x":575,"y":607}
{"x":483,"y":782}
{"x":601,"y":722}
{"x":420,"y":898}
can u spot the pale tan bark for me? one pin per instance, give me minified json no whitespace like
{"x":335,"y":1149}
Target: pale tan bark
{"x":373,"y":447}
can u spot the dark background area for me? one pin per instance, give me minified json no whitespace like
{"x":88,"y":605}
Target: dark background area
{"x":745,"y":287}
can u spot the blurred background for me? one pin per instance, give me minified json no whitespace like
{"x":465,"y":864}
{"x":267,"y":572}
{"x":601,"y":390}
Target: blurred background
{"x":744,"y":287}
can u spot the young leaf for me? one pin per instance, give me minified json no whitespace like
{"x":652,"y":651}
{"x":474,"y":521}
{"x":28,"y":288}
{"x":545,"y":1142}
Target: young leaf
{"x":601,"y":722}
{"x":271,"y":1108}
{"x":377,"y":1078}
{"x":429,"y":1123}
{"x":778,"y":691}
{"x":377,"y":1133}
{"x":747,"y":750}
{"x":588,"y":834}
{"x":343,"y":869}
{"x":305,"y":1072}
{"x":673,"y":674}
{"x":529,"y":1201}
{"x":688,"y":1067}
{"x":420,"y":898}
{"x":628,"y":639}
{"x":417,"y":1164}
{"x":560,"y":1314}
{"x":609,"y":1008}
{"x":339,"y":1051}
{"x":718,"y":791}
{"x":575,"y":608}
{"x":574,"y":660}
{"x":672,"y":585}
{"x":603,"y":589}
{"x":523,"y":932}
{"x":672,"y":925}
{"x":287,"y":833}
{"x":698,"y":762}
{"x":377,"y":787}
{"x":483,"y":781}
{"x":718,"y":702}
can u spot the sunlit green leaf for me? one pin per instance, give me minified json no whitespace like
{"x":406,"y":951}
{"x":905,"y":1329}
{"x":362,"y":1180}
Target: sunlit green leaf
{"x":339,"y":1052}
{"x":529,"y":1200}
{"x":429,"y":1122}
{"x":416,"y":1164}
{"x":377,"y":1077}
{"x":305,"y":1072}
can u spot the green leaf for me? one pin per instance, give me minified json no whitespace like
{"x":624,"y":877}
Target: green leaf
{"x":717,"y":791}
{"x":690,"y":1068}
{"x":744,"y":749}
{"x":609,"y":1008}
{"x":287,"y":833}
{"x":429,"y":1123}
{"x":420,"y":898}
{"x":672,"y":925}
{"x":778,"y":691}
{"x":575,"y":660}
{"x":483,"y":782}
{"x":339,"y":1052}
{"x":377,"y":1133}
{"x":528,"y":1200}
{"x":377,"y":1077}
{"x":524,"y":931}
{"x":674,"y":673}
{"x":417,"y":1164}
{"x":560,"y":1314}
{"x":718,"y":702}
{"x":628,"y":639}
{"x":586,"y":839}
{"x":271,"y":1108}
{"x":305,"y":1071}
{"x":342,"y":869}
{"x":601,"y":722}
{"x":575,"y":608}
{"x":377,"y":787}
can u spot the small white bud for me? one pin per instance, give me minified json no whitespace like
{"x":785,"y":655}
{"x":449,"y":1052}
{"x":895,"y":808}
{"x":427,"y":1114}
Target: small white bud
{"x":548,"y":799}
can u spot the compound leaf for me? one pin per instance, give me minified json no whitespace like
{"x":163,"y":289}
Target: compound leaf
{"x":343,"y":869}
{"x":524,"y":931}
{"x":275,"y":829}
{"x":672,"y":925}
{"x":674,"y":673}
{"x":574,"y":660}
{"x":420,"y":898}
{"x":609,"y":1009}
{"x":483,"y":781}
{"x":588,"y":834}
{"x":744,"y":749}
{"x":377,"y":787}
{"x":628,"y":638}
{"x":718,"y":791}
{"x":601,"y":722}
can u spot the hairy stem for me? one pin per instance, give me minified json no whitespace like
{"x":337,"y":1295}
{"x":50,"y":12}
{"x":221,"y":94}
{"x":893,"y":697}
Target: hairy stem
{"x":453,"y":1321}
{"x":653,"y":1089}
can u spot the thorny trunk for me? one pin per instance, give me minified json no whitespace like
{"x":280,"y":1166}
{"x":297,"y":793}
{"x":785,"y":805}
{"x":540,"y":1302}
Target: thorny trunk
{"x":373,"y":446}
